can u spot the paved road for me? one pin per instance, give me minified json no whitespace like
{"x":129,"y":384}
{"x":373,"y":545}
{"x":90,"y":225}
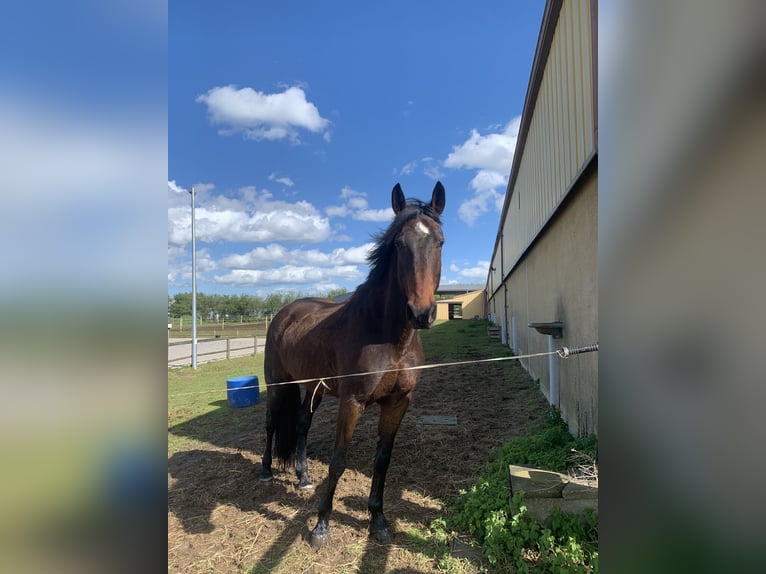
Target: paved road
{"x":180,"y":350}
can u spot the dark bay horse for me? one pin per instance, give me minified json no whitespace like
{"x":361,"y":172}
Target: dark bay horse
{"x":376,"y":329}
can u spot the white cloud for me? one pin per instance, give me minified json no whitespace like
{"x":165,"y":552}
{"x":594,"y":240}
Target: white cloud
{"x":406,"y":169}
{"x":251,"y":217}
{"x":378,"y":215}
{"x":355,"y":205}
{"x":175,"y":251}
{"x":174,"y":187}
{"x":286,"y":181}
{"x":337,"y":211}
{"x":263,"y":116}
{"x":486,"y":180}
{"x":469,"y":273}
{"x":289,"y":274}
{"x":265,"y":257}
{"x":492,"y":152}
{"x":429,"y":166}
{"x":433,"y":171}
{"x":476,"y":273}
{"x":347,"y":192}
{"x":202,"y":188}
{"x":357,"y":255}
{"x":480,"y":202}
{"x":491,"y":155}
{"x":179,"y":270}
{"x":255,"y":216}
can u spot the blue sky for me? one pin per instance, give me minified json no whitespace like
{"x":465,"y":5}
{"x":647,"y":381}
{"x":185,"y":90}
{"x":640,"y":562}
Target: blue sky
{"x":293,"y":122}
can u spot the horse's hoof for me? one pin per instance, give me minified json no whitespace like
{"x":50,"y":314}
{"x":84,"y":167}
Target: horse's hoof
{"x":382,"y":536}
{"x":265,"y":477}
{"x":304,"y":482}
{"x":318,"y":542}
{"x":320,"y":536}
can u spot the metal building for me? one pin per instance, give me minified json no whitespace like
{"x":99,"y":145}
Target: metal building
{"x":544,"y":265}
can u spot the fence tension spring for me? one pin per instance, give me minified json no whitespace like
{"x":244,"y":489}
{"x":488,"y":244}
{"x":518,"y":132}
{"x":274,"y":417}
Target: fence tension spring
{"x":565,"y":352}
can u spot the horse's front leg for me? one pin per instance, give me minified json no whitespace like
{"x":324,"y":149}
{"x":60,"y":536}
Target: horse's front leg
{"x":304,"y":424}
{"x":391,"y":415}
{"x":349,"y":412}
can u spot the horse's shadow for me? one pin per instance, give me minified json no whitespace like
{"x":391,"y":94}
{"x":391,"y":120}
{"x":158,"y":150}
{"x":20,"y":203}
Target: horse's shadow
{"x":239,"y":428}
{"x":206,"y":479}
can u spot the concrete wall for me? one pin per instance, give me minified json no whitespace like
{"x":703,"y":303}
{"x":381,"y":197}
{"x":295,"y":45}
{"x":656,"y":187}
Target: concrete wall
{"x":558,"y":281}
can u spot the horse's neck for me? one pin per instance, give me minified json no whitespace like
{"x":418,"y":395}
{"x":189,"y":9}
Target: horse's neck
{"x":386,"y":307}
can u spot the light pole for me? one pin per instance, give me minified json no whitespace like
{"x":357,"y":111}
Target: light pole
{"x":194,"y":285}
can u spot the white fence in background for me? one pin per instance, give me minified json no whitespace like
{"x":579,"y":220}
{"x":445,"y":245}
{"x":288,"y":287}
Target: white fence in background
{"x":217,"y":349}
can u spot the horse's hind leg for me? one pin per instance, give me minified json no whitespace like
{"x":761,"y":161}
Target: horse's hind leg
{"x":304,"y":424}
{"x":391,"y":415}
{"x":266,"y":473}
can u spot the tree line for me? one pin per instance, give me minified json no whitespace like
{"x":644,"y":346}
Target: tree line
{"x":213,"y":307}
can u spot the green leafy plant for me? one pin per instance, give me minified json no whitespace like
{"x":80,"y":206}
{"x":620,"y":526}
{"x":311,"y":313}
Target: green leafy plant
{"x":509,"y":535}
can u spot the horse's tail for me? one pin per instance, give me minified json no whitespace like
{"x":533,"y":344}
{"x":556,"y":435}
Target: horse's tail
{"x":284,"y":412}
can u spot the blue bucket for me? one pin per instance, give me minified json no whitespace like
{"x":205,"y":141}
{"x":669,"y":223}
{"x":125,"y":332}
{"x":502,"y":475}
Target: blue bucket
{"x":242,"y":391}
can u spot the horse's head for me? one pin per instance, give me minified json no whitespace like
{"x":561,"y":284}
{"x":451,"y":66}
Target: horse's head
{"x":418,"y":244}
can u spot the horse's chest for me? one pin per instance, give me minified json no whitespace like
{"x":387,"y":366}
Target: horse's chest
{"x":393,"y":383}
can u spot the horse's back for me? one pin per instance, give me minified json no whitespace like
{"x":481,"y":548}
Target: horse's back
{"x":297,"y":337}
{"x":301,"y":314}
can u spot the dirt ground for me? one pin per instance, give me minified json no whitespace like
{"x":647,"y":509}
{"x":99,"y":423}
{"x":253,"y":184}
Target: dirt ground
{"x":222,"y":519}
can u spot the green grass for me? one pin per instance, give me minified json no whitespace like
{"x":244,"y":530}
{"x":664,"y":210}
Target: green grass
{"x":197,"y":409}
{"x":459,"y":340}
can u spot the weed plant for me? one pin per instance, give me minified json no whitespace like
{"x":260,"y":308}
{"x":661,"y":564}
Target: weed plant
{"x":509,"y":536}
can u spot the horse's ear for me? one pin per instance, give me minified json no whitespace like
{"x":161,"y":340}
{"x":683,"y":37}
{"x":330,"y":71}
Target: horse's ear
{"x":397,"y":199}
{"x":438,"y":198}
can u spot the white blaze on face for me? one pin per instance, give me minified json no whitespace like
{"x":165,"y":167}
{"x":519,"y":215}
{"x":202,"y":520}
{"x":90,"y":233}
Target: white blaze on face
{"x":421,"y":227}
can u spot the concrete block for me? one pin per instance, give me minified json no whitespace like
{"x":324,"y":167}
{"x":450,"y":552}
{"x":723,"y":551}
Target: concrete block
{"x":545,"y":490}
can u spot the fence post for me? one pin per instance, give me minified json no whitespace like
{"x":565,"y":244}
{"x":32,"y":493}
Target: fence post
{"x":255,"y":344}
{"x":228,"y":348}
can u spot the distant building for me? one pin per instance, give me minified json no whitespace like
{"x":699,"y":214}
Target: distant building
{"x":457,"y":289}
{"x":468,"y":305}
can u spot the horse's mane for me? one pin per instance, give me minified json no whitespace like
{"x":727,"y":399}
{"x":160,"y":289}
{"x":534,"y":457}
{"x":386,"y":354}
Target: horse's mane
{"x":380,"y":255}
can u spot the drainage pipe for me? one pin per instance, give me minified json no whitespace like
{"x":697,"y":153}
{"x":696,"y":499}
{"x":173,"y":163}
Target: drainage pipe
{"x":555,"y":331}
{"x":553,"y":373}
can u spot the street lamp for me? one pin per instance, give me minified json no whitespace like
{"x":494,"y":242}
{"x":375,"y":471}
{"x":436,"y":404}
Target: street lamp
{"x":194,"y":285}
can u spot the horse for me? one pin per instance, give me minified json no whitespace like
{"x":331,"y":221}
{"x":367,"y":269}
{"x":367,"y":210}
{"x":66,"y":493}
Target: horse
{"x":372,"y":336}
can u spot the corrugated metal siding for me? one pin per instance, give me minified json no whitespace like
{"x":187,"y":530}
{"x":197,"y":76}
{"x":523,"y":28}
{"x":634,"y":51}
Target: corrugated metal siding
{"x":561,"y":133}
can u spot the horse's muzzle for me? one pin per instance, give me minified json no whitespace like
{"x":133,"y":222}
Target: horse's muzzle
{"x":421,"y":318}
